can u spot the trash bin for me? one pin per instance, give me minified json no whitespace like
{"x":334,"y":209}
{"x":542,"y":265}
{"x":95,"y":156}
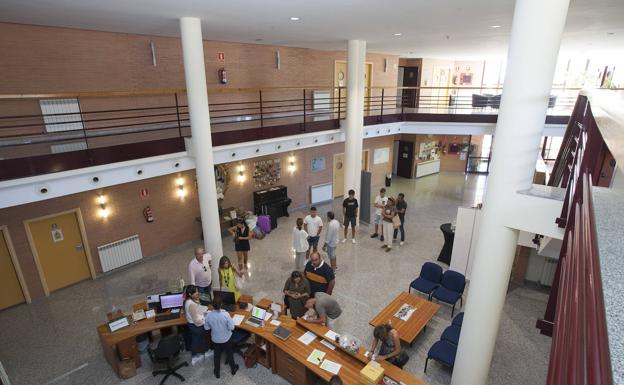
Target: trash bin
{"x":388,"y":180}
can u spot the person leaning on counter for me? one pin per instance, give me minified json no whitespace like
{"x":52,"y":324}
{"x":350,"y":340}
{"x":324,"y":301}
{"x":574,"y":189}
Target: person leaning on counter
{"x":326,"y":308}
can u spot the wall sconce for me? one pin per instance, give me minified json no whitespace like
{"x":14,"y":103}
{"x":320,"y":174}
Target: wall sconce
{"x":181,"y":191}
{"x":291,"y":164}
{"x":241,"y":173}
{"x":103,"y":209}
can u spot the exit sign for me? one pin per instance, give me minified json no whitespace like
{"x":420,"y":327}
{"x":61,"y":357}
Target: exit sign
{"x":221,"y":56}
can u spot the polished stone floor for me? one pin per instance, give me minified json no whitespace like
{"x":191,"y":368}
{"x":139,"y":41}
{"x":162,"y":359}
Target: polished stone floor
{"x":53,"y":340}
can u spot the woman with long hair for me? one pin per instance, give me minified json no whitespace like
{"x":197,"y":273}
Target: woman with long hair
{"x":195,"y":323}
{"x":226,"y":276}
{"x":296,"y":292}
{"x":390,"y":349}
{"x":241,"y":235}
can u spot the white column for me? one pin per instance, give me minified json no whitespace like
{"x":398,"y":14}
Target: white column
{"x":197,"y":95}
{"x":533,"y":49}
{"x":356,"y":57}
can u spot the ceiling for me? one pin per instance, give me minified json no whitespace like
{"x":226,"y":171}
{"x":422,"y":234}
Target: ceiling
{"x":452,"y":29}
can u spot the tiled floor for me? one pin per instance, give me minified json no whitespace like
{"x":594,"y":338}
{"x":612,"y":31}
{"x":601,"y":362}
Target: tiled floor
{"x":42,"y":342}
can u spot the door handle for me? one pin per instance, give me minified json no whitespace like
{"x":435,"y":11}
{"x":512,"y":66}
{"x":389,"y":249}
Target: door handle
{"x":78,"y":247}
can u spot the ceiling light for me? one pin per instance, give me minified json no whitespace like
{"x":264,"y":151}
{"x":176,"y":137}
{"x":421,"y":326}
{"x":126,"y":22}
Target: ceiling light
{"x":610,"y":33}
{"x":397,"y":34}
{"x":295,"y":18}
{"x":495,"y":26}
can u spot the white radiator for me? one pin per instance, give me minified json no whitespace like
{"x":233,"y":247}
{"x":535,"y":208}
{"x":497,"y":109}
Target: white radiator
{"x":66,"y":147}
{"x":548,"y":272}
{"x":70,"y":110}
{"x":120,"y":253}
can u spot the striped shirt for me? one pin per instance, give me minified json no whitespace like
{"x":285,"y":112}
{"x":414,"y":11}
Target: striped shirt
{"x":319,"y":277}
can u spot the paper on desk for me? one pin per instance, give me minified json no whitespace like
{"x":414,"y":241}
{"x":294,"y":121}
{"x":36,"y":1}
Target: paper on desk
{"x":331,"y":366}
{"x":328,"y":344}
{"x":332,"y":335}
{"x":276,"y":322}
{"x":307,"y":338}
{"x":267,"y":316}
{"x":316,"y":356}
{"x":276,"y":307}
{"x":238,"y":319}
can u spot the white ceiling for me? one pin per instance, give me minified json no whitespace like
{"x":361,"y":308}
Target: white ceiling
{"x":453,"y":29}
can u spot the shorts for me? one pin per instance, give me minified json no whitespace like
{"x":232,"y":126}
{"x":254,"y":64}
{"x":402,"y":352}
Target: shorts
{"x":351,"y":220}
{"x":313,"y":241}
{"x":331,"y":252}
{"x":377,"y":219}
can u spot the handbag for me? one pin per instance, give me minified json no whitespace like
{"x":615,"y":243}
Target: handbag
{"x":238,"y":282}
{"x":399,"y":360}
{"x":396,"y":221}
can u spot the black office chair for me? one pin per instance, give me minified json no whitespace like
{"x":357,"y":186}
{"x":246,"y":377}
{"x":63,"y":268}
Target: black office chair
{"x":167,"y":352}
{"x":239,"y":341}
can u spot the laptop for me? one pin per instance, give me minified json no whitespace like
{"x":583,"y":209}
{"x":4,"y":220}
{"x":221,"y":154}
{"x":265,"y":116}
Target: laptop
{"x":257,"y":317}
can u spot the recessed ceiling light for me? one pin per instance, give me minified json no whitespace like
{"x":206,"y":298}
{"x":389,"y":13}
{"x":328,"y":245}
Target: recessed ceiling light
{"x":295,"y":18}
{"x":495,"y":26}
{"x":610,"y":33}
{"x":259,"y":39}
{"x":397,"y":34}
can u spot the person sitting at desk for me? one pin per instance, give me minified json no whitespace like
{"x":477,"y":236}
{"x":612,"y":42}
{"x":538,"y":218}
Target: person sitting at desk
{"x":390,"y":349}
{"x":195,"y":321}
{"x":326,"y":308}
{"x":297,"y":291}
{"x":320,"y":275}
{"x":221,"y":325}
{"x":226,"y":276}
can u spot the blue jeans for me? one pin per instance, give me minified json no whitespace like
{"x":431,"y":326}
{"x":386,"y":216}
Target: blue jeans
{"x":400,"y":228}
{"x":331,"y":251}
{"x":198,"y":339}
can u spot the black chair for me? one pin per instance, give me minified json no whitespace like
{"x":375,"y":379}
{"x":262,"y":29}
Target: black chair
{"x":239,"y":341}
{"x":451,"y":289}
{"x":552,"y":100}
{"x":479,"y":101}
{"x":167,"y":351}
{"x":494,"y":101}
{"x":443,"y":352}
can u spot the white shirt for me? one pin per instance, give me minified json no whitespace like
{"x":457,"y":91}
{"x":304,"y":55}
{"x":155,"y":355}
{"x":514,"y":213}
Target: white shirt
{"x":300,"y":240}
{"x":314,"y":224}
{"x":380,"y":201}
{"x":199,"y":273}
{"x":193,"y":316}
{"x":332,"y":235}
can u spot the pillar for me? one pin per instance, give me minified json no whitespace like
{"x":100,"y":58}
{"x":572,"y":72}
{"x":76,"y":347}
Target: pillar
{"x":356,"y":57}
{"x":197,"y":95}
{"x":533,"y":49}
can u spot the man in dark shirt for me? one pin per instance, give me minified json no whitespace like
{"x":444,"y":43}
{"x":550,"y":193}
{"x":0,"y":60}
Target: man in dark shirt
{"x":320,"y":275}
{"x":401,"y":206}
{"x":349,"y":212}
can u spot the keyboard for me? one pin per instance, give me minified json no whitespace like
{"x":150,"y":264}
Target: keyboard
{"x":166,"y":317}
{"x":254,"y":322}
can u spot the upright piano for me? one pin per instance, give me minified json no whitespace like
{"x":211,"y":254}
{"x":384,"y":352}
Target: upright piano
{"x":272,"y":201}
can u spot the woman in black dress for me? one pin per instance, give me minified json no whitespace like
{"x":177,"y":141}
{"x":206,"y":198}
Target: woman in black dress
{"x":241,"y":235}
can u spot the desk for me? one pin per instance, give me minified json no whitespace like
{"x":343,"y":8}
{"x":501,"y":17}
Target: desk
{"x":447,"y":249}
{"x":408,"y":330}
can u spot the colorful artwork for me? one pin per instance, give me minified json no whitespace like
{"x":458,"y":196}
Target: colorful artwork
{"x":267,"y":172}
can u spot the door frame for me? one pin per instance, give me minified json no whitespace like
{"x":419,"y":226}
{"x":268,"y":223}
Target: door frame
{"x":334,"y":173}
{"x":83,"y":235}
{"x":18,"y":271}
{"x":366,"y":150}
{"x":370,"y":88}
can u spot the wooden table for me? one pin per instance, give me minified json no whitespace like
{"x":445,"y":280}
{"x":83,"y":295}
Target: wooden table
{"x":408,"y":330}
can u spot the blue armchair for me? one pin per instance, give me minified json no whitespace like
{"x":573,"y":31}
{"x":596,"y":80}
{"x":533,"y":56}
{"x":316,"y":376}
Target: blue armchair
{"x":451,"y":289}
{"x":451,"y":334}
{"x":443,"y":352}
{"x":458,"y":320}
{"x":429,"y":279}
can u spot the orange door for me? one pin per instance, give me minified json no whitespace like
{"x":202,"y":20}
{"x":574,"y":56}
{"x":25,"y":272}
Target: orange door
{"x":10,"y":290}
{"x":59,"y":248}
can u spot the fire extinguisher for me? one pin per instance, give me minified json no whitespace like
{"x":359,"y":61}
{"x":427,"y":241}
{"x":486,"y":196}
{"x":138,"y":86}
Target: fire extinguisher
{"x":222,"y":76}
{"x":147,"y":213}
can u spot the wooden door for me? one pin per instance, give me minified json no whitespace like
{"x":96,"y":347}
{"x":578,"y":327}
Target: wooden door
{"x":338,"y":175}
{"x":59,"y":248}
{"x":410,"y":79}
{"x":340,"y":80}
{"x":11,"y":292}
{"x":406,"y":158}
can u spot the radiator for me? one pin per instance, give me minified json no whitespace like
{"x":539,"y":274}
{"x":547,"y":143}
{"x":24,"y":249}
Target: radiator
{"x":67,"y":147}
{"x":120,"y":253}
{"x":70,"y":110}
{"x":548,"y":272}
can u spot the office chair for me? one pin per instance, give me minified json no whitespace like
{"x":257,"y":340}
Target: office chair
{"x":443,"y":352}
{"x":167,"y":352}
{"x":451,"y":289}
{"x":239,"y":341}
{"x":429,"y":279}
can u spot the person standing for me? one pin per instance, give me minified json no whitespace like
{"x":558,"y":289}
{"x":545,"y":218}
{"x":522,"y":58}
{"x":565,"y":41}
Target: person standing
{"x":241,"y":235}
{"x":331,"y":239}
{"x":349,"y":213}
{"x":221,"y":325}
{"x":401,"y":207}
{"x":226,"y":276}
{"x":200,"y":274}
{"x":327,"y":309}
{"x":380,"y":204}
{"x":387,"y":224}
{"x":313,"y":225}
{"x":195,"y":321}
{"x":300,"y":244}
{"x":320,"y":276}
{"x":296,"y":292}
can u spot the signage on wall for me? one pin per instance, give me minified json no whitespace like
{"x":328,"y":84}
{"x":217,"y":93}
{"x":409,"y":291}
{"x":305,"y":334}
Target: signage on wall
{"x":57,"y":234}
{"x":221,"y":56}
{"x":144,"y":193}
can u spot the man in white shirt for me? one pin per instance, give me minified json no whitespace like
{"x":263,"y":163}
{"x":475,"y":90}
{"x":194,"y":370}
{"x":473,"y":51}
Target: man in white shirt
{"x":313,"y":225}
{"x":200,"y":274}
{"x":380,"y":203}
{"x":331,"y":239}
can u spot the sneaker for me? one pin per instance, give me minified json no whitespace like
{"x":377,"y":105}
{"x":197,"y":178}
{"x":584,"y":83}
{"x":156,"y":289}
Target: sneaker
{"x":344,"y":240}
{"x":384,"y":246}
{"x":375,"y":235}
{"x":388,"y":249}
{"x":402,"y":243}
{"x":197,"y":359}
{"x":353,"y":241}
{"x":381,"y":238}
{"x":208,"y":354}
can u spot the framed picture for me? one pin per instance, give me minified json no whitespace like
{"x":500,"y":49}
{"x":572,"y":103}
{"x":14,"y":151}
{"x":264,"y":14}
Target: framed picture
{"x":318,"y":164}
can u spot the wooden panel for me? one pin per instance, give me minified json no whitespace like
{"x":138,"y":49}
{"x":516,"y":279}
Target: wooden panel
{"x":289,"y":368}
{"x":408,"y":330}
{"x":10,"y":289}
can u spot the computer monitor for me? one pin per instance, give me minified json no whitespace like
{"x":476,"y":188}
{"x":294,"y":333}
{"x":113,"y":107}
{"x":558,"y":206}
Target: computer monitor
{"x":227,"y":297}
{"x":171,"y":301}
